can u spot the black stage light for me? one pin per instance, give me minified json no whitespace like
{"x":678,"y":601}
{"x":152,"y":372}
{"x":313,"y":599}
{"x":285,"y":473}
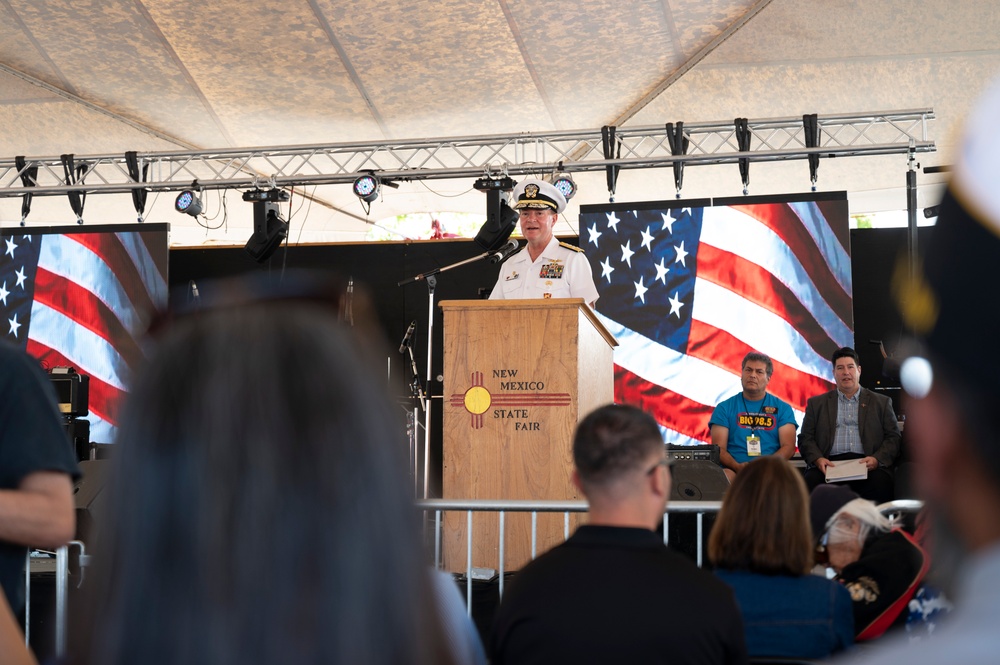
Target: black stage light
{"x":491,"y":183}
{"x":273,"y":194}
{"x":501,"y":219}
{"x":188,"y":203}
{"x":269,"y":229}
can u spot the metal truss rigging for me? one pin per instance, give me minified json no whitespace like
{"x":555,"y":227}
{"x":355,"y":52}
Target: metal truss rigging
{"x":881,"y":133}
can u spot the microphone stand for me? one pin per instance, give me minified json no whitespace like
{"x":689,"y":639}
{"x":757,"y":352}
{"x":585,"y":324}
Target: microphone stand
{"x":416,"y":391}
{"x":430,"y":277}
{"x":431,"y":273}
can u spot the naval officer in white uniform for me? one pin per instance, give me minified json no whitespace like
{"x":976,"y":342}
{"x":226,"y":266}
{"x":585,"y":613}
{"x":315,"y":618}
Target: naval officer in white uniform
{"x":545,"y":267}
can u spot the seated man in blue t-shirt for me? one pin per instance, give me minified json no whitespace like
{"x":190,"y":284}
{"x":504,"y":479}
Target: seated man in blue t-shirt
{"x":752,"y":423}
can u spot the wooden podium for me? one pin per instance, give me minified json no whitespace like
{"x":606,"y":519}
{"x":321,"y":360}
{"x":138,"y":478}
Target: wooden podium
{"x":518,"y":376}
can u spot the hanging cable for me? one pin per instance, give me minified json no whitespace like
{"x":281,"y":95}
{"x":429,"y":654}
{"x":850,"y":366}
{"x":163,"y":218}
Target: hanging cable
{"x":608,"y":140}
{"x":29,"y":178}
{"x":678,"y":146}
{"x":743,"y":143}
{"x":810,"y":126}
{"x":74,"y":174}
{"x":138,"y":194}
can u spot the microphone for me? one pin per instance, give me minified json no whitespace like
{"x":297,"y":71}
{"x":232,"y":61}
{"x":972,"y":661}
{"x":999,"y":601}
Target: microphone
{"x":504,"y":251}
{"x":408,"y":336}
{"x":347,"y":306}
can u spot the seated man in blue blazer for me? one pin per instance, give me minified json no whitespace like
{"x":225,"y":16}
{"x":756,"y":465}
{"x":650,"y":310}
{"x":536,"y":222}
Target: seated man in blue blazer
{"x":851,"y":422}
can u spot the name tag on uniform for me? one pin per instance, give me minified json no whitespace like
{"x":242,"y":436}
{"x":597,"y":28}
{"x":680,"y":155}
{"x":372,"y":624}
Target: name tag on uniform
{"x":552,"y":270}
{"x":753,"y":445}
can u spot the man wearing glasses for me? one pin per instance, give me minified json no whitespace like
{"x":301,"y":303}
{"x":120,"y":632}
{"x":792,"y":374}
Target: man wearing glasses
{"x":613,"y":592}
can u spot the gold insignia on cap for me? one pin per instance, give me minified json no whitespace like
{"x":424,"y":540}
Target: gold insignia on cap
{"x":531,"y":191}
{"x":914,"y":297}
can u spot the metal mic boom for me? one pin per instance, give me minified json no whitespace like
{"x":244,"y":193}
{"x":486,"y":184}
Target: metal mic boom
{"x":504,"y":252}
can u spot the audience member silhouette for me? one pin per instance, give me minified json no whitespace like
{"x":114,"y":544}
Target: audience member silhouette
{"x":260,"y":508}
{"x":762,"y":547}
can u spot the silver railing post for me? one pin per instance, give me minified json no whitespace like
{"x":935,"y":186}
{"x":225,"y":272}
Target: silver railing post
{"x":437,"y":538}
{"x":534,"y":534}
{"x":27,"y":597}
{"x":62,"y":587}
{"x":468,"y":562}
{"x":502,"y":515}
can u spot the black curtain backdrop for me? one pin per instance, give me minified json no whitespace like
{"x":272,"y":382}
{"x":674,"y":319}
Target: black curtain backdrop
{"x":380,"y":266}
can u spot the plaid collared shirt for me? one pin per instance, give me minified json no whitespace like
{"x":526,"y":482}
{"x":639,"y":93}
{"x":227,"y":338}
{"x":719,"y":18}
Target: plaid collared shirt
{"x":847,"y":438}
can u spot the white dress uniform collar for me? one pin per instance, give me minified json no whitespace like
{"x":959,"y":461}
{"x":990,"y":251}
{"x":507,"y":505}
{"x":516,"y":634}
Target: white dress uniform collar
{"x":547,"y":253}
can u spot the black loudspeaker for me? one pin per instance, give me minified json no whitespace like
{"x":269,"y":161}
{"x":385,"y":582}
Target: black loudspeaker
{"x":697,"y":480}
{"x":89,"y":496}
{"x":78,"y":431}
{"x":694,"y":480}
{"x":485,"y":601}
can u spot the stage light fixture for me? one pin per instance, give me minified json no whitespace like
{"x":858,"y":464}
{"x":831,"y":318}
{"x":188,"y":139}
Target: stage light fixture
{"x":564,"y":183}
{"x":269,"y":229}
{"x":494,"y":183}
{"x":188,"y":203}
{"x":273,"y":195}
{"x":367,"y":187}
{"x":501,"y":219}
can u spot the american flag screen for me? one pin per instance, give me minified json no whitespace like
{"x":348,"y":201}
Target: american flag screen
{"x":689,"y":287}
{"x":81,"y":297}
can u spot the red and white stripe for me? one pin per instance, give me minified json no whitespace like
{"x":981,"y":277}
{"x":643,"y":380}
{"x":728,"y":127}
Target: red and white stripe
{"x":770,"y":278}
{"x":90,"y":306}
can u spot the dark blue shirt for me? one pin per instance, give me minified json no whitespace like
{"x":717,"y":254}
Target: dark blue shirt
{"x":792,"y":617}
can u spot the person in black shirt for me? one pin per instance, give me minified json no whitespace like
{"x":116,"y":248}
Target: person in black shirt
{"x":37,"y":469}
{"x":613,"y":592}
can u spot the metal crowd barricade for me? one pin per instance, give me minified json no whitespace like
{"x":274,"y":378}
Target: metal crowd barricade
{"x":62,"y":594}
{"x":502,"y":507}
{"x":438,"y":507}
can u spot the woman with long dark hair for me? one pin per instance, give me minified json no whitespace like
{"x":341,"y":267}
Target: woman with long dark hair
{"x":260,"y":507}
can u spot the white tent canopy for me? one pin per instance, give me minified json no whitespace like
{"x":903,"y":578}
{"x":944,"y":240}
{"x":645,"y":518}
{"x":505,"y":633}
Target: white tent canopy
{"x":144,"y":76}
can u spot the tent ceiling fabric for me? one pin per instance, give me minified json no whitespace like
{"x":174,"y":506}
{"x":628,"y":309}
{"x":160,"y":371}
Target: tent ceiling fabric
{"x":154,"y":75}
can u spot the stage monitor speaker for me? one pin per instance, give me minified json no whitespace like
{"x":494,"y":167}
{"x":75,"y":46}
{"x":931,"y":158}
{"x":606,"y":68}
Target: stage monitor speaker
{"x":697,"y":480}
{"x":78,"y":431}
{"x":89,"y":497}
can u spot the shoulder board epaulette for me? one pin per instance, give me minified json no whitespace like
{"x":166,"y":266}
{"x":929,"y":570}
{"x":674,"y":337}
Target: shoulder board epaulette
{"x":573,"y":247}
